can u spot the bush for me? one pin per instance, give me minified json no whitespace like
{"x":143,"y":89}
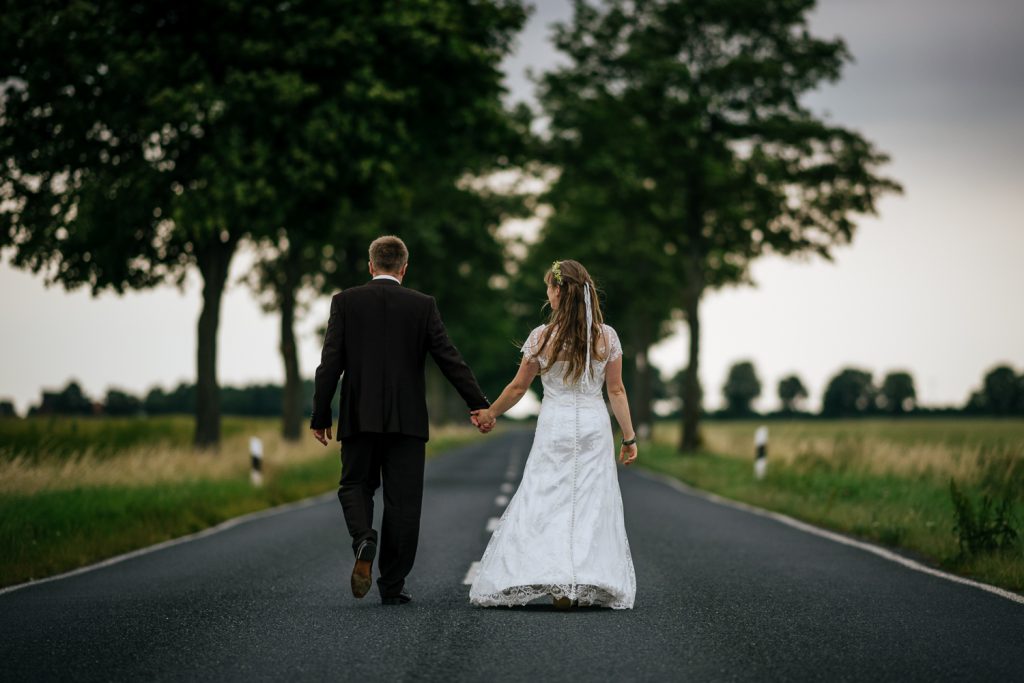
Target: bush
{"x":122,"y":403}
{"x":984,"y":530}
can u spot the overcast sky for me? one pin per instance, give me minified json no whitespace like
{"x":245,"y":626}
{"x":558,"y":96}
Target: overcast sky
{"x":934,"y":285}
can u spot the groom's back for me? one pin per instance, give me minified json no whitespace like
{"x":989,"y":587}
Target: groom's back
{"x":385,"y":344}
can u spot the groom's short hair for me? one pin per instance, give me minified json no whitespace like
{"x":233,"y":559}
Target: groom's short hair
{"x":388,"y":254}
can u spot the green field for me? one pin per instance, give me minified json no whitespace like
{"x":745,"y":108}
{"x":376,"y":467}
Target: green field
{"x":887,"y":481}
{"x":93,"y":488}
{"x":41,"y":438}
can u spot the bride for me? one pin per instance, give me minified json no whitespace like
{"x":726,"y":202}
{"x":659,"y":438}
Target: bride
{"x":562,"y":533}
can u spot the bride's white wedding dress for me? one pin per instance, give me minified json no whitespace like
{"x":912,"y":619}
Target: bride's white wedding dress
{"x":562,"y":533}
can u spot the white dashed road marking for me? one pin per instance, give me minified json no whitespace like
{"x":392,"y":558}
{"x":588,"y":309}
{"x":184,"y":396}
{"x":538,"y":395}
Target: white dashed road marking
{"x":471,"y":574}
{"x":511,"y":474}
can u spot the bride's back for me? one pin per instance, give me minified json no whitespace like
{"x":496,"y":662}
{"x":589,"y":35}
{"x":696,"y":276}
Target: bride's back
{"x":605,"y":351}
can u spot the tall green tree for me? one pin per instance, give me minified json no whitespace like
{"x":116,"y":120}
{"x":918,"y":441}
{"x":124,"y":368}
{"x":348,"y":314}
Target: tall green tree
{"x":698,"y":103}
{"x":897,"y":394}
{"x":586,"y":225}
{"x":849,"y":393}
{"x":457,"y":256}
{"x":1020,"y":394}
{"x":133,"y":151}
{"x":741,"y":387}
{"x":791,"y":392}
{"x":139,"y":141}
{"x":1001,"y":393}
{"x":446,"y":122}
{"x":284,"y":264}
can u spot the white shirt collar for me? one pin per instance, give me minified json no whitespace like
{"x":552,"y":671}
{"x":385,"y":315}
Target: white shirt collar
{"x":387,"y":277}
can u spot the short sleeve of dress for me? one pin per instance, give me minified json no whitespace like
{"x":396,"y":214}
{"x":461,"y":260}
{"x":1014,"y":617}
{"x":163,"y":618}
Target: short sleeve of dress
{"x":532,"y":342}
{"x":612,"y":340}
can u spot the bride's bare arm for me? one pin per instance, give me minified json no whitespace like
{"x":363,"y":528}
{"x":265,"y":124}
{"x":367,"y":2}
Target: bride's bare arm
{"x":515,"y":390}
{"x":620,"y":407}
{"x":617,"y":397}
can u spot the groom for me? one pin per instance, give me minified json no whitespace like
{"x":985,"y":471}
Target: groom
{"x":378,"y":336}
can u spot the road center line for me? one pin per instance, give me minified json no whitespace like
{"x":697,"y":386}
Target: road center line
{"x":471,"y":574}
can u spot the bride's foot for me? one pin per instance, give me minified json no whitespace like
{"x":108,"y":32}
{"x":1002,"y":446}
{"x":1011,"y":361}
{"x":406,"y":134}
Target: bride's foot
{"x":563,"y":603}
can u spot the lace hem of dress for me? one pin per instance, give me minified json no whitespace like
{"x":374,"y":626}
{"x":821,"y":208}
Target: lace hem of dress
{"x":586,"y":595}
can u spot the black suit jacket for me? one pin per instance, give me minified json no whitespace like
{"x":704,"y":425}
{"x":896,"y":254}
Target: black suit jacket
{"x":378,"y":337}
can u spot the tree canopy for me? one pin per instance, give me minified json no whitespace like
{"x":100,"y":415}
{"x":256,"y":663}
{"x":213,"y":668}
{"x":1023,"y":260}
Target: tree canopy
{"x":897,"y":394}
{"x":139,"y":140}
{"x":741,"y":387}
{"x":849,"y":393}
{"x":791,"y":392}
{"x":690,"y":113}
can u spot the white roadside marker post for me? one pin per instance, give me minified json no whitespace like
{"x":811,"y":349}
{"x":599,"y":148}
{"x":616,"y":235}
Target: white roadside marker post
{"x":761,"y":451}
{"x":256,"y":452}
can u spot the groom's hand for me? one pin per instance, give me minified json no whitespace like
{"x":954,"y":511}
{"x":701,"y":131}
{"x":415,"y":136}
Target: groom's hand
{"x":322,"y":435}
{"x":483,"y":420}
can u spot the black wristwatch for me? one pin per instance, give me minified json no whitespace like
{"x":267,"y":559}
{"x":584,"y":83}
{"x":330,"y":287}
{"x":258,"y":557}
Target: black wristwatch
{"x":630,"y":442}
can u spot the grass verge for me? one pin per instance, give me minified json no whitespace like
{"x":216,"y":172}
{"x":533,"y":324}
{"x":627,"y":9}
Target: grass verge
{"x":47,"y":532}
{"x":913,"y":514}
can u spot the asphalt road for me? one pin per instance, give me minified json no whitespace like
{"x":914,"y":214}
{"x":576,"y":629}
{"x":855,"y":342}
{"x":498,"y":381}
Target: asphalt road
{"x":722,"y":594}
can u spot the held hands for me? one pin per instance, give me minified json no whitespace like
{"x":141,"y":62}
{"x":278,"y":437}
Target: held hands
{"x":483,"y":419}
{"x":628,"y":454}
{"x":322,"y":435}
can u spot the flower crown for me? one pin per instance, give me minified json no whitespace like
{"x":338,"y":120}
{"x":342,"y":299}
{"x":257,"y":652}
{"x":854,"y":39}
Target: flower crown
{"x":556,"y":270}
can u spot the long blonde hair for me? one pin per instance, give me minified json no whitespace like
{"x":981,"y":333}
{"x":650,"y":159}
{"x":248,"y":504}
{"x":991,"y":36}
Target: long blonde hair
{"x":566,"y":331}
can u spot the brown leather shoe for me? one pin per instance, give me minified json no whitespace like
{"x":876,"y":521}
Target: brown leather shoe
{"x":362,"y":572}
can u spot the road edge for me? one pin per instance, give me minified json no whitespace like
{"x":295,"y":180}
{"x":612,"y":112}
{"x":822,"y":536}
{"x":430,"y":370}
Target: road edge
{"x":884,"y":553}
{"x":226,"y":524}
{"x":208,"y":531}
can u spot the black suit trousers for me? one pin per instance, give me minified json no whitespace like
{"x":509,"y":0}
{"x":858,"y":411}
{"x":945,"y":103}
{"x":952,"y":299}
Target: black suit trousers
{"x":397,"y":461}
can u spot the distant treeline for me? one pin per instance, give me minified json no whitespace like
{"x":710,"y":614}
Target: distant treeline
{"x":851,"y":392}
{"x":255,"y":400}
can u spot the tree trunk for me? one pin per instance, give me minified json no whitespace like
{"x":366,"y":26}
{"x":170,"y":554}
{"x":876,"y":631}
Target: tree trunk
{"x":642,"y":409}
{"x":691,"y":438}
{"x":214,"y":260}
{"x":291,"y":409}
{"x":693,"y":270}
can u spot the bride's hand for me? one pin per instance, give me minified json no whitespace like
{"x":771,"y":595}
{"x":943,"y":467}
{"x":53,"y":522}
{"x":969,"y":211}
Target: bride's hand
{"x":483,"y":420}
{"x":628,"y":454}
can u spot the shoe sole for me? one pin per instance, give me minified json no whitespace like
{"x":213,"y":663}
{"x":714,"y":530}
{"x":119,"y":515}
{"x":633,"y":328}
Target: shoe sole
{"x":361,"y":579}
{"x":565,"y":604}
{"x":362,"y":573}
